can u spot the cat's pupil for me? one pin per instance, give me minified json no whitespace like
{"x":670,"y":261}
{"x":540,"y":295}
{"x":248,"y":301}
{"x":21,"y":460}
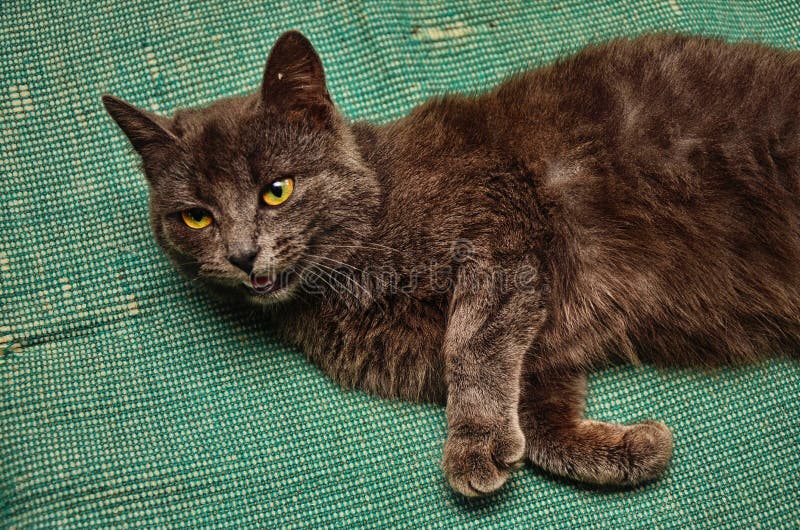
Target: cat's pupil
{"x":277,"y":189}
{"x":197,"y":214}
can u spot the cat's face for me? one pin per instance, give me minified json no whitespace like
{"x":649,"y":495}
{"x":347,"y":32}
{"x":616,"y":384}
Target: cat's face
{"x":257,"y":194}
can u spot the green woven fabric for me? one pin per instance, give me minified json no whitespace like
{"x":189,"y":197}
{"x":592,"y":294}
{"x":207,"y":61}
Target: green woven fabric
{"x":129,"y":399}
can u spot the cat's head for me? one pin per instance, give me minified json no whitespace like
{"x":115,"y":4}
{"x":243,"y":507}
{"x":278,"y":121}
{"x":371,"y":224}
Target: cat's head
{"x":253,"y":194}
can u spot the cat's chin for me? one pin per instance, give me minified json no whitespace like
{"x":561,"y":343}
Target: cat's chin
{"x":236,"y":293}
{"x":269,"y":299}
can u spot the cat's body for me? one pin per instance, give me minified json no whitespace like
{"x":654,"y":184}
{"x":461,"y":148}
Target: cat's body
{"x":639,"y":200}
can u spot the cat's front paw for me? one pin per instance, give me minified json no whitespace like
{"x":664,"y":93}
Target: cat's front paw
{"x":477,"y":460}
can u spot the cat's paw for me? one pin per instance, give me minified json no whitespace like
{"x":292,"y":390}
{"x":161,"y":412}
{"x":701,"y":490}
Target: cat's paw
{"x":649,"y":448}
{"x":477,"y":461}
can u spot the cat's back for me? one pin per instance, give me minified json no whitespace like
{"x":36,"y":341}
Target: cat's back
{"x":671,"y":167}
{"x":654,"y":89}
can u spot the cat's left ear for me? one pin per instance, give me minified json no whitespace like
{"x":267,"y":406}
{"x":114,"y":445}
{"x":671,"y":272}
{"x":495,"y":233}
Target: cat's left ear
{"x":294,"y":81}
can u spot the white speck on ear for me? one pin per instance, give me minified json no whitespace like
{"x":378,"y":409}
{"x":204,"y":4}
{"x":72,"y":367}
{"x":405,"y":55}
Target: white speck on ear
{"x":280,"y":76}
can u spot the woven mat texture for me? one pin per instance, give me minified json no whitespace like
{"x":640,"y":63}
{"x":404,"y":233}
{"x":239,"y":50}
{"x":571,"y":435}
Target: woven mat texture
{"x":129,"y":399}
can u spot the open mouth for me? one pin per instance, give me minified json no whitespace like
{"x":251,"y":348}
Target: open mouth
{"x":261,"y":284}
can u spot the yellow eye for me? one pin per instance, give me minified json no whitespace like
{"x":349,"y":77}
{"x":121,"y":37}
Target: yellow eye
{"x":196,"y":218}
{"x":277,"y":192}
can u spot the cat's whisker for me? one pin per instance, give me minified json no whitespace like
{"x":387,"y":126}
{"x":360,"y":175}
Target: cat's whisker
{"x":365,"y":273}
{"x":368,"y":275}
{"x":329,"y":284}
{"x":337,"y":261}
{"x":365,"y":237}
{"x":356,"y":283}
{"x":372,"y":246}
{"x":184,"y":263}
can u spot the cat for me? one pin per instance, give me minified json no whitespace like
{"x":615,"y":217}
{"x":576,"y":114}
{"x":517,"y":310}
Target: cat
{"x":639,"y":200}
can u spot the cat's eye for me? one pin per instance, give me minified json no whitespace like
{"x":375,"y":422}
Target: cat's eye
{"x":196,"y":218}
{"x":278,"y":191}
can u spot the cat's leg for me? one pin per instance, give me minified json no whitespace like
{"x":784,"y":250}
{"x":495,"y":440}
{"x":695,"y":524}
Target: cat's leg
{"x":487,"y":335}
{"x":561,"y":441}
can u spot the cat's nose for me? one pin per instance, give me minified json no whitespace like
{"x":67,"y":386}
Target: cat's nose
{"x":244,"y":259}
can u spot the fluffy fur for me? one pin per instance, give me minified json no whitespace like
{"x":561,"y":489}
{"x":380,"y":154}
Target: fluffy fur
{"x":639,"y":200}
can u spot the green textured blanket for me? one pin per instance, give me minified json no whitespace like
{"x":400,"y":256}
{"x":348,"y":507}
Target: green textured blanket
{"x":128,"y":398}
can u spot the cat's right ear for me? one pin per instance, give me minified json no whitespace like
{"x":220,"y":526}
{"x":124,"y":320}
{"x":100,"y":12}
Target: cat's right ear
{"x":149,"y":133}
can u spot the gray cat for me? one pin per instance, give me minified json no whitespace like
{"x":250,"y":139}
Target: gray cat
{"x":640,"y":200}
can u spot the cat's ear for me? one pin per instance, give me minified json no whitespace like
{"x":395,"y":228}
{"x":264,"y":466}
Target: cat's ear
{"x":294,"y":81}
{"x":149,"y":133}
